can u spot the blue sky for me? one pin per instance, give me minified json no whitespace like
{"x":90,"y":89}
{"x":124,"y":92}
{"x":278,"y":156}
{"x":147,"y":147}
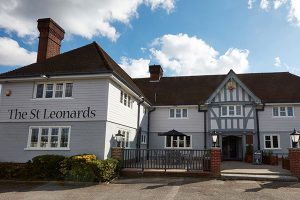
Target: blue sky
{"x":187,"y":37}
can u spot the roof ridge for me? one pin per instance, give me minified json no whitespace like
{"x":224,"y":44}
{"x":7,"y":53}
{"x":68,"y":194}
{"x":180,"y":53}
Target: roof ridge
{"x":101,"y":53}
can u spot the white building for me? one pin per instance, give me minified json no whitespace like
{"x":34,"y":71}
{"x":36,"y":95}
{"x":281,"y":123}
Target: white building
{"x":76,"y":102}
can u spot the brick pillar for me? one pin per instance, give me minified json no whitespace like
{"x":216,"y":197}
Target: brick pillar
{"x":294,"y":157}
{"x":117,"y":153}
{"x":215,"y":162}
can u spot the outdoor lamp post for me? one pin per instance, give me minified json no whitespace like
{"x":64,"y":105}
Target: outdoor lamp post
{"x":214,"y":137}
{"x":295,"y":138}
{"x":119,"y":138}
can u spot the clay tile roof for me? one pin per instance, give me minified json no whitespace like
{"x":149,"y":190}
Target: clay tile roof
{"x":89,"y":59}
{"x":281,"y":87}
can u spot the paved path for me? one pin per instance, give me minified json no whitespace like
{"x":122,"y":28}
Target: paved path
{"x":154,"y":188}
{"x":234,"y":170}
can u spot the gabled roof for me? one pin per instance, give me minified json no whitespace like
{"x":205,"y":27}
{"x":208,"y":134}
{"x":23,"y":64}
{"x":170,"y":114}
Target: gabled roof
{"x":280,"y":87}
{"x":232,"y":76}
{"x":89,"y":59}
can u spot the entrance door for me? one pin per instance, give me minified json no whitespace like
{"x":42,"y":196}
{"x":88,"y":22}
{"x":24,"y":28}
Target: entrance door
{"x":232,"y":148}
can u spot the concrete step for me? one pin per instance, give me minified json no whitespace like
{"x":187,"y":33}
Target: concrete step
{"x":256,"y":173}
{"x":259,"y":177}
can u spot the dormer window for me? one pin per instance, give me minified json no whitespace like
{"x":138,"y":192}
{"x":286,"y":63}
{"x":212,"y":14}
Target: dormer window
{"x":53,"y":90}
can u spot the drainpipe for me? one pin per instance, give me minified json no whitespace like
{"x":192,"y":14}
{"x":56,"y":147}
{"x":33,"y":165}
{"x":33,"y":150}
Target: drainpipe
{"x":257,"y":125}
{"x":204,"y":110}
{"x":138,"y":139}
{"x":148,"y":127}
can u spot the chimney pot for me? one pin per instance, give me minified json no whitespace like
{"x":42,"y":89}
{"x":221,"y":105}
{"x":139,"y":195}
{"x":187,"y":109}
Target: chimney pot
{"x":156,"y":72}
{"x":51,"y":35}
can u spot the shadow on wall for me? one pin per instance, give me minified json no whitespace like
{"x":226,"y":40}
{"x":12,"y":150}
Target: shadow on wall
{"x":112,"y":143}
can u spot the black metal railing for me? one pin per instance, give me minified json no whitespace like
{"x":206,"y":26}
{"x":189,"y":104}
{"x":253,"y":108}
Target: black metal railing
{"x":167,"y":159}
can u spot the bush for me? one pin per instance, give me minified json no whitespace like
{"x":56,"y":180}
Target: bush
{"x":87,"y":157}
{"x":249,"y":149}
{"x":81,"y":168}
{"x":47,"y":167}
{"x":14,"y":170}
{"x":76,"y":168}
{"x":109,"y":169}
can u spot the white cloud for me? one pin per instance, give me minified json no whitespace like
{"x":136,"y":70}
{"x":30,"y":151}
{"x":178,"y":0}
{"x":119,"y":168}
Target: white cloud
{"x":250,"y":4}
{"x":86,"y":18}
{"x":294,"y":14}
{"x":279,"y":3}
{"x":284,"y":66}
{"x":184,"y":55}
{"x":277,"y":62}
{"x":136,"y":68}
{"x":11,"y":54}
{"x":264,"y":4}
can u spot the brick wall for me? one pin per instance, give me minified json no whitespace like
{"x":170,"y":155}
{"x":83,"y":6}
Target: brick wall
{"x":117,"y":153}
{"x":294,"y":157}
{"x":215,"y":162}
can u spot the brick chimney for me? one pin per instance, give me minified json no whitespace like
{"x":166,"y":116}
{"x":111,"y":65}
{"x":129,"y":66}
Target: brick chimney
{"x":51,"y":35}
{"x":156,"y":72}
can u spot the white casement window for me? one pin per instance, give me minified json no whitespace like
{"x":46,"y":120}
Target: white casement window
{"x":231,"y":111}
{"x":125,"y":140}
{"x":178,"y":142}
{"x":126,"y":99}
{"x":272,"y":141}
{"x":143,"y":139}
{"x":49,"y":138}
{"x":283,"y":111}
{"x":53,"y":90}
{"x":178,"y":113}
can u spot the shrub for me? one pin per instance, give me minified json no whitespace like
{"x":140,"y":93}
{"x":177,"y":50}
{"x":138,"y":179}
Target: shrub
{"x":47,"y":166}
{"x":87,"y":157}
{"x":80,"y":168}
{"x":76,"y":168}
{"x":249,"y":149}
{"x":109,"y":169}
{"x":14,"y":170}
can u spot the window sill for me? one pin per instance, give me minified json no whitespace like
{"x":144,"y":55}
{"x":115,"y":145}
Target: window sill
{"x":178,"y":147}
{"x":272,"y":148}
{"x":179,"y":118}
{"x":43,"y":99}
{"x":280,"y":117}
{"x":47,"y":149}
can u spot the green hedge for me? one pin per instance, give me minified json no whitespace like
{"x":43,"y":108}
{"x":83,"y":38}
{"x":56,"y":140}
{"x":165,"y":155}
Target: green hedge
{"x":14,"y":170}
{"x":47,"y":167}
{"x":77,"y":168}
{"x":83,"y":168}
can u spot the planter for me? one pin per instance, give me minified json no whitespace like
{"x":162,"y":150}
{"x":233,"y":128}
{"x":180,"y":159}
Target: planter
{"x":249,"y":158}
{"x":270,"y":160}
{"x":286,"y":163}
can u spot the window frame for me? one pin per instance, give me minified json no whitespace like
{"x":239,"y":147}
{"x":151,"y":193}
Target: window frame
{"x":172,"y":147}
{"x":38,"y":147}
{"x":126,"y":99}
{"x":54,"y":83}
{"x":234,"y":110}
{"x":271,"y":140}
{"x":143,"y":138}
{"x":181,"y":113}
{"x":285,"y":110}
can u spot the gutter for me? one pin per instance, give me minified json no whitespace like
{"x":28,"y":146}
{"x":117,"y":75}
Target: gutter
{"x":138,"y":139}
{"x":148,"y":127}
{"x":205,"y":124}
{"x":257,"y":125}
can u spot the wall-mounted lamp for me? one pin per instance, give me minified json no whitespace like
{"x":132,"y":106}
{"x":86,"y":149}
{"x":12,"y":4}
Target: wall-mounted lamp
{"x":8,"y":92}
{"x":44,"y":76}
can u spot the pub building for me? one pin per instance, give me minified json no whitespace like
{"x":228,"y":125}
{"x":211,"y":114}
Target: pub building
{"x":78,"y":101}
